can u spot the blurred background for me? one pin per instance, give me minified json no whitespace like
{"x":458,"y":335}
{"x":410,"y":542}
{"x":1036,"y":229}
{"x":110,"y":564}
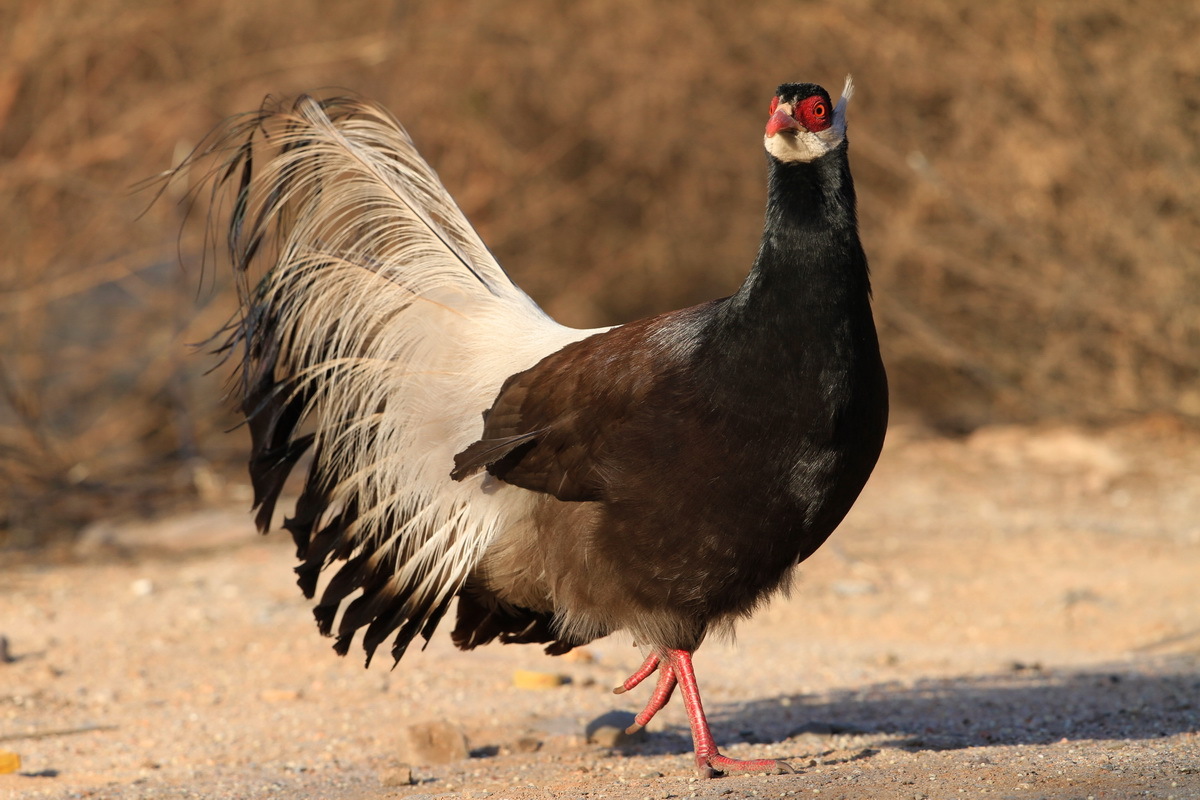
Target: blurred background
{"x":1027,"y":176}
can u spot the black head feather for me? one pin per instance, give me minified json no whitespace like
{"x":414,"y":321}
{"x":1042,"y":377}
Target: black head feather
{"x":795,"y":92}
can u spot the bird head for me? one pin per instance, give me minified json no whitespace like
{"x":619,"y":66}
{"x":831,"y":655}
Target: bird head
{"x":804,"y":124}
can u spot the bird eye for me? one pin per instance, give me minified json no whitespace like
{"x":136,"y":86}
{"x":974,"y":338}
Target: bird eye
{"x":774,"y":105}
{"x":814,"y":114}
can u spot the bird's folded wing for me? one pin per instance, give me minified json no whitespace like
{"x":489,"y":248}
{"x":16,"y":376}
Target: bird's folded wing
{"x":569,"y":425}
{"x":541,"y":437}
{"x":490,"y":451}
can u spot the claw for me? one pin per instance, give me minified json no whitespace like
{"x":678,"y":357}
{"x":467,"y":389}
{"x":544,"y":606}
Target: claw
{"x":675,"y":668}
{"x":722,"y":763}
{"x":644,"y":671}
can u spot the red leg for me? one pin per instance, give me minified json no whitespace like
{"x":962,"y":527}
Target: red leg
{"x":644,"y":671}
{"x":708,"y":759}
{"x":662,"y":693}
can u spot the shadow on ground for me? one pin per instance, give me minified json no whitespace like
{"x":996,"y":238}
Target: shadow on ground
{"x":1028,"y":705}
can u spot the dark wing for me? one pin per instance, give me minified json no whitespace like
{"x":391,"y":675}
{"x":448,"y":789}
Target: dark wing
{"x":553,"y":427}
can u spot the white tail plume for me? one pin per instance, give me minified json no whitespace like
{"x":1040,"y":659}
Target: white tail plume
{"x":381,"y":324}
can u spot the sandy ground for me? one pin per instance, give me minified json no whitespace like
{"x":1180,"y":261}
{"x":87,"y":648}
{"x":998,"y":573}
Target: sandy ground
{"x":1014,"y":615}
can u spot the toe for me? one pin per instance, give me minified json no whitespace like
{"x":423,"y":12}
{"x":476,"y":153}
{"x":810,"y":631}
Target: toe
{"x":724,"y":763}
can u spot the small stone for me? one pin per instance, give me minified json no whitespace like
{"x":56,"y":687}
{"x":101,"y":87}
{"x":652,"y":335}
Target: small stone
{"x":396,"y":775}
{"x":9,"y":762}
{"x":142,"y":587}
{"x":279,"y":695}
{"x":853,"y":588}
{"x":579,"y":655}
{"x":608,"y":730}
{"x":6,"y":656}
{"x":528,"y":679}
{"x":527,"y":744}
{"x":431,"y":743}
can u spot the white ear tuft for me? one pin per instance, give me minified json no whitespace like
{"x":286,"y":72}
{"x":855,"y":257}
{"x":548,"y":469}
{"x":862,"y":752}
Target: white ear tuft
{"x":839,"y":111}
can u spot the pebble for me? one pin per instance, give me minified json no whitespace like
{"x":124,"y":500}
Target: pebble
{"x":528,"y":679}
{"x":9,"y":762}
{"x":608,"y":730}
{"x":279,"y":695}
{"x":527,"y":744}
{"x":431,"y":743}
{"x":579,"y":655}
{"x":853,"y":588}
{"x":396,"y":775}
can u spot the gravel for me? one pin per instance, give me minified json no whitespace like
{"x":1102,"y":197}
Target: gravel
{"x":1013,"y":615}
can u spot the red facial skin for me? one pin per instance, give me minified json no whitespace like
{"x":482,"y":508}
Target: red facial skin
{"x":812,"y":114}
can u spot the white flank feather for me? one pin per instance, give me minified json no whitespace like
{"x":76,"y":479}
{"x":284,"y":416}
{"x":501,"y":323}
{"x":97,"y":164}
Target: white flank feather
{"x":395,"y":327}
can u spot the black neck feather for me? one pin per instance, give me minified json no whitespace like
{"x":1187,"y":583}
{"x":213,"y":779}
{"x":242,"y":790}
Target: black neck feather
{"x":810,"y":254}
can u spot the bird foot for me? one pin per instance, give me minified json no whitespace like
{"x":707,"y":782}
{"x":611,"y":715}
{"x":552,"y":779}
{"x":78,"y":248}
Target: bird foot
{"x":674,"y":668}
{"x":644,"y":671}
{"x":709,"y":766}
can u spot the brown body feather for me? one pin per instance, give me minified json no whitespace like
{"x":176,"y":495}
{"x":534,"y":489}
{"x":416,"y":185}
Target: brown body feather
{"x":662,"y":477}
{"x":668,"y":446}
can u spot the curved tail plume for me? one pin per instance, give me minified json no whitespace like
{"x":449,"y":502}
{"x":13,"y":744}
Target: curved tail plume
{"x":374,"y":329}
